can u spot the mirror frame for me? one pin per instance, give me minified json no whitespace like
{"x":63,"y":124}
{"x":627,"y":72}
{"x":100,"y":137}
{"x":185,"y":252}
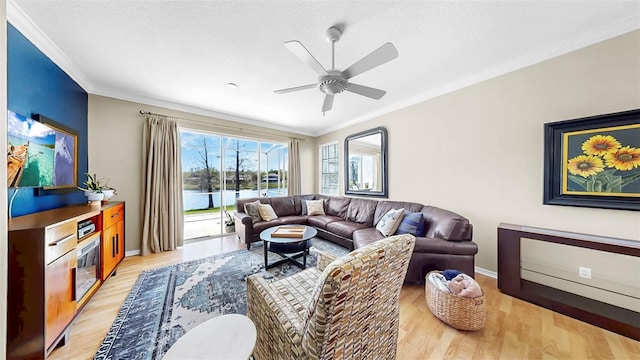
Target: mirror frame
{"x":383,"y":159}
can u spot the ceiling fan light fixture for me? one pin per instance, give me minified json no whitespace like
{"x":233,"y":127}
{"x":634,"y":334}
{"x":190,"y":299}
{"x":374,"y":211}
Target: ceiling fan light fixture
{"x":332,"y":84}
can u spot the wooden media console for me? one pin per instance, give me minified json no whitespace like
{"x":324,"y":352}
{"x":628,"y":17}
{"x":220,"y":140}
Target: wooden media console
{"x":57,"y":260}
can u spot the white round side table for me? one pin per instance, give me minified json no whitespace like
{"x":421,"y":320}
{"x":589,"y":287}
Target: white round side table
{"x":231,"y":336}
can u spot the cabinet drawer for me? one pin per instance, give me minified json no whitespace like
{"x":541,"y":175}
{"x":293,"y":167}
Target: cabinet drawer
{"x":60,"y":239}
{"x":112,"y":215}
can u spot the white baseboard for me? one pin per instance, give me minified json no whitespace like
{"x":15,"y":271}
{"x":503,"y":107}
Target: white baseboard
{"x":486,"y":272}
{"x":136,"y":252}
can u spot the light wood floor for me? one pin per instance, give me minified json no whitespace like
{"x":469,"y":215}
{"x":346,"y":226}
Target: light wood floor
{"x":514,"y":329}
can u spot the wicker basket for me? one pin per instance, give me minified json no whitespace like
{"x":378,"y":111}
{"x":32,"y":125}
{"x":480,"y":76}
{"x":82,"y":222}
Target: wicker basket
{"x":460,"y":312}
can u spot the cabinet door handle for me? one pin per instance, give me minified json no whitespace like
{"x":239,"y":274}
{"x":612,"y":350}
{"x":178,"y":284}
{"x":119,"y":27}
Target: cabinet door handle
{"x":113,"y":246}
{"x":114,"y":215}
{"x":73,"y":281}
{"x":118,"y":244}
{"x":63,"y":240}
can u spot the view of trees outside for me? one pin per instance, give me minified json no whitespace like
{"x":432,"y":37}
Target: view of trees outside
{"x":217,"y":170}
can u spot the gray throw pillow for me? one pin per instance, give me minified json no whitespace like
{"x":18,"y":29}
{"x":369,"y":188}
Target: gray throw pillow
{"x":251,"y":209}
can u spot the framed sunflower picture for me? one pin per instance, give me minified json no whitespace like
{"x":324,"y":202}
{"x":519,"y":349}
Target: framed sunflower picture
{"x":594,"y":161}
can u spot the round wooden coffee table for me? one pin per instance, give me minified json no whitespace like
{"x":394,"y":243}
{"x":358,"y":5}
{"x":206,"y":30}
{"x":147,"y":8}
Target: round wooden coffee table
{"x":288,"y":248}
{"x":231,"y":336}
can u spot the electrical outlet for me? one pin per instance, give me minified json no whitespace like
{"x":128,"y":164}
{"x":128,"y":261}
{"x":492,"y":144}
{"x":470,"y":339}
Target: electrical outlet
{"x":584,"y":272}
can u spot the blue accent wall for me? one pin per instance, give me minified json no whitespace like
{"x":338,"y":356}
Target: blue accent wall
{"x":36,"y":85}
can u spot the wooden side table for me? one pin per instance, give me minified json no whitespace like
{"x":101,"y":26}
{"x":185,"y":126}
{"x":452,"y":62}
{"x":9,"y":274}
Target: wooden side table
{"x":231,"y":336}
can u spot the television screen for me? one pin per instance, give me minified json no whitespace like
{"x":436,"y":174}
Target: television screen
{"x":40,"y":153}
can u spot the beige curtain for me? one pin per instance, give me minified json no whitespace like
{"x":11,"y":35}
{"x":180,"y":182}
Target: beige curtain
{"x":162,"y":208}
{"x":295,"y":187}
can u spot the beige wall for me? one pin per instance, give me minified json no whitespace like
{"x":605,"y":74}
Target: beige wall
{"x":479,"y":151}
{"x":3,"y":177}
{"x":115,"y":150}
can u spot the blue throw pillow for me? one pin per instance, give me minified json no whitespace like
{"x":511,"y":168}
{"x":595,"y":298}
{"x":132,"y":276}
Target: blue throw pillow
{"x":412,"y":223}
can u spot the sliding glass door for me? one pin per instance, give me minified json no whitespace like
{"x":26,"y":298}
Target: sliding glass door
{"x":217,"y":170}
{"x":274,"y":166}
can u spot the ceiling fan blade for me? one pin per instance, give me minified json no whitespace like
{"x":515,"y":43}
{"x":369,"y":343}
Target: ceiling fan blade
{"x":303,"y":54}
{"x":328,"y":103}
{"x":297,"y":88}
{"x":366,"y":91}
{"x":377,"y":57}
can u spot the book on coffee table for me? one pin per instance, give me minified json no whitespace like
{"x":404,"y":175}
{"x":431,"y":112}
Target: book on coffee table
{"x":289,"y":232}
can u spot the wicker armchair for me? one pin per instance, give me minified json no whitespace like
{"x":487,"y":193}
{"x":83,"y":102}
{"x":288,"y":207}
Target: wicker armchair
{"x":345,"y":308}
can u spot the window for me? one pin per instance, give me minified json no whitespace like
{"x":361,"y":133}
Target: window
{"x":329,"y":169}
{"x":217,"y":170}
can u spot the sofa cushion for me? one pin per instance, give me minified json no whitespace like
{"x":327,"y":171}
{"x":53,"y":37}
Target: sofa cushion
{"x":440,"y":246}
{"x":266,"y":212}
{"x":321,"y":221}
{"x":390,"y":222}
{"x":364,"y":237}
{"x":284,"y":206}
{"x":337,"y":206}
{"x":361,"y":211}
{"x":251,"y":209}
{"x":293,"y":219}
{"x":345,"y":228}
{"x":315,"y":207}
{"x":412,"y":223}
{"x":259,"y":226}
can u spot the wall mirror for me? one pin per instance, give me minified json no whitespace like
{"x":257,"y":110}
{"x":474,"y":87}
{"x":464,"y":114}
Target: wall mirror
{"x":365,"y":155}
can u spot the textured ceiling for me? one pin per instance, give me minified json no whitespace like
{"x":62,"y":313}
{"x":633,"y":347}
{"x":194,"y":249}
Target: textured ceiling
{"x":182,"y":54}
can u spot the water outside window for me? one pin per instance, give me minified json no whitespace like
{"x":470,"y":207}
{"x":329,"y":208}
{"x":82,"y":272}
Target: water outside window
{"x":217,"y":170}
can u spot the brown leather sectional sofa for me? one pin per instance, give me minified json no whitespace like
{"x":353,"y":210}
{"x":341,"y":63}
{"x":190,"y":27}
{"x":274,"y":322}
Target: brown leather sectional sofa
{"x":351,"y":222}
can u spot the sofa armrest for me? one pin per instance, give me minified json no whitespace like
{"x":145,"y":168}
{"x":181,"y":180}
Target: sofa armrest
{"x":244,"y":228}
{"x":324,"y":259}
{"x":242,"y":217}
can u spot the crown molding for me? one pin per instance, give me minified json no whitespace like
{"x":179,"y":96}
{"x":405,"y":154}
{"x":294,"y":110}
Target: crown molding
{"x":147,"y":100}
{"x":583,"y":40}
{"x":17,"y":17}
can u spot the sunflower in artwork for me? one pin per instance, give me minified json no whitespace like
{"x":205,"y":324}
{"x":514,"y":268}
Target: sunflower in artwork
{"x":626,"y":158}
{"x":585,"y":165}
{"x":600,"y":145}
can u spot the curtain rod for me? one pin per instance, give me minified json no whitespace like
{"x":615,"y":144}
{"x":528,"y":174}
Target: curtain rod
{"x":142,"y":112}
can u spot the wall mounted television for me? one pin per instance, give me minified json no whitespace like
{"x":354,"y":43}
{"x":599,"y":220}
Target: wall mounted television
{"x":41,"y":153}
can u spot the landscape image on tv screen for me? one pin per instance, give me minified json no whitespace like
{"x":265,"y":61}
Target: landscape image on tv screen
{"x":38,"y":154}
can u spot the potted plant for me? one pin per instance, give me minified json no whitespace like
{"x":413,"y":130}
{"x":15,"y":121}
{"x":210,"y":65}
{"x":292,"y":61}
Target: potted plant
{"x":95,"y":191}
{"x":229,"y":223}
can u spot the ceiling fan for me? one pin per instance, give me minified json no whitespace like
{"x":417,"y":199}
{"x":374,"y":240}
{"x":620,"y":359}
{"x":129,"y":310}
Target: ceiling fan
{"x":334,"y":81}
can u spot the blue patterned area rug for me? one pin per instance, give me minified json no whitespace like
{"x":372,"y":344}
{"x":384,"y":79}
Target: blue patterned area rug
{"x":167,"y":302}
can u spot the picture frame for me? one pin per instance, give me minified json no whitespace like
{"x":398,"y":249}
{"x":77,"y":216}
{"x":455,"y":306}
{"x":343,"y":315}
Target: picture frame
{"x":65,"y":165}
{"x":41,"y":153}
{"x":593,"y":161}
